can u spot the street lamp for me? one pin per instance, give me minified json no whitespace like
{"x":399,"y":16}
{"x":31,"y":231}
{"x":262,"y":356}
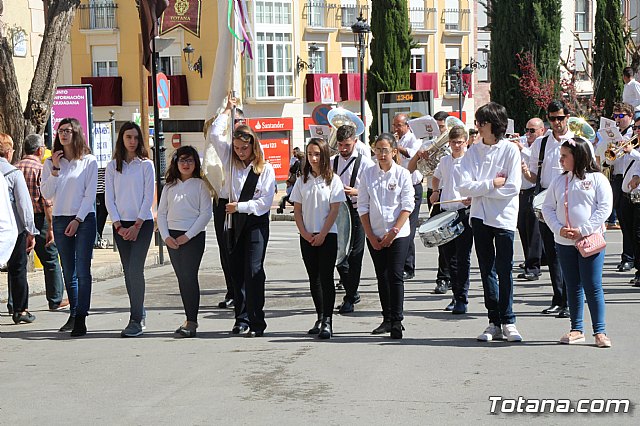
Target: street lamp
{"x":455,"y":73}
{"x":361,"y":32}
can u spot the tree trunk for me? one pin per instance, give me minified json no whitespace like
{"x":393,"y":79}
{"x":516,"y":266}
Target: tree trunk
{"x":11,"y":121}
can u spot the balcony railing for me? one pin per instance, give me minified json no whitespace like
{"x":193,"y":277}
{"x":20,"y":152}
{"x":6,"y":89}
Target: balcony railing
{"x":320,"y":14}
{"x":422,"y":19}
{"x":456,"y":20}
{"x":98,"y":16}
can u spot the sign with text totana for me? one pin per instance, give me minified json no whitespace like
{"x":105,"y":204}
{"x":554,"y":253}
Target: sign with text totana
{"x":73,"y":102}
{"x":103,"y":142}
{"x":276,"y":152}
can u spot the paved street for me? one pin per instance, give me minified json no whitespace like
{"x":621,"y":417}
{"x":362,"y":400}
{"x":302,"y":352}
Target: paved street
{"x":437,"y":374}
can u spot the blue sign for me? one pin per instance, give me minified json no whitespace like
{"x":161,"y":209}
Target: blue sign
{"x":163,"y":94}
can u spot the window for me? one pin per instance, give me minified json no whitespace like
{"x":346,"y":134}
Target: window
{"x":270,"y":73}
{"x":105,"y":61}
{"x":319,"y":60}
{"x":452,"y":14}
{"x":315,"y":13}
{"x":582,"y":15}
{"x":349,"y":11}
{"x":452,"y":58}
{"x":102,"y":14}
{"x":418,"y":63}
{"x":416,"y":14}
{"x":582,"y":66}
{"x":483,"y":71}
{"x":349,"y":59}
{"x":483,"y":15}
{"x":171,"y":65}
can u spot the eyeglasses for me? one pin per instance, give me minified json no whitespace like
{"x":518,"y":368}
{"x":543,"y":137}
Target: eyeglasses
{"x":556,"y":118}
{"x":530,"y":130}
{"x":621,"y":115}
{"x":479,"y":123}
{"x":383,"y":151}
{"x":636,"y":127}
{"x":188,"y":161}
{"x":246,"y":137}
{"x":65,"y":131}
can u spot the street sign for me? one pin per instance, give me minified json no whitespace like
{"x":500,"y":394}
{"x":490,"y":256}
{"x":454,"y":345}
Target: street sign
{"x":319,"y":114}
{"x":162,"y":83}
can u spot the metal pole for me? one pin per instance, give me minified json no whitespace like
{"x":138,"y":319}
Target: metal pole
{"x":361,"y":48}
{"x":158,"y":140}
{"x":460,"y":95}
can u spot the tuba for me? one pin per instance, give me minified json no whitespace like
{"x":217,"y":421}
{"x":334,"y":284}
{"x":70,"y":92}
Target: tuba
{"x":437,"y":148}
{"x":581,"y":128}
{"x":339,"y":117}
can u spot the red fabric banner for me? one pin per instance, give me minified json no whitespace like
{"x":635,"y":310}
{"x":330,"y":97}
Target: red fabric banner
{"x":181,"y":13}
{"x":350,"y":86}
{"x":468,"y":85}
{"x":425,"y":81}
{"x":107,"y":91}
{"x":315,"y":87}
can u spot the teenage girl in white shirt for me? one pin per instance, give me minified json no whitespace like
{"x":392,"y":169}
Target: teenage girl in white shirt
{"x":385,"y":201}
{"x":184,"y":211}
{"x":129,"y":191}
{"x":317,"y":195}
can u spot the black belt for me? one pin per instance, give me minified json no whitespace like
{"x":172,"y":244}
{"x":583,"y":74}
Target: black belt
{"x":617,"y":176}
{"x":526,"y":191}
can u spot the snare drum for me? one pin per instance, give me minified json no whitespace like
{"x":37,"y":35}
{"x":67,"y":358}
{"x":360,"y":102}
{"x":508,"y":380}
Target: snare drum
{"x":634,"y":197}
{"x":440,"y":229}
{"x":538,"y":201}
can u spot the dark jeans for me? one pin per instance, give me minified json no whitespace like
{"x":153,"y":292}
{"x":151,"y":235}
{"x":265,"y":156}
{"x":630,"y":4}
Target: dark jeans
{"x":133,"y":254}
{"x":101,"y":213}
{"x":247,"y":267}
{"x":50,"y":263}
{"x":625,"y":217}
{"x":529,"y":232}
{"x":496,"y":263}
{"x":445,"y":263}
{"x":410,"y":263}
{"x":319,"y":262}
{"x":186,"y":263}
{"x":460,"y":250}
{"x":219,"y":217}
{"x":351,"y":267}
{"x":75,"y":254}
{"x":636,"y":237}
{"x":17,"y":275}
{"x":389,"y":263}
{"x":555,"y":272}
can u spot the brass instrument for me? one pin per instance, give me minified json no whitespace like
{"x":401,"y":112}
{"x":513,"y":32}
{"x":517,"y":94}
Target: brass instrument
{"x":339,"y":117}
{"x":581,"y":128}
{"x":438,"y":148}
{"x":615,"y":151}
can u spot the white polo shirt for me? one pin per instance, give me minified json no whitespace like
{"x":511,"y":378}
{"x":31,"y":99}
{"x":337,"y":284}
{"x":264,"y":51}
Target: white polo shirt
{"x":448,"y":190}
{"x":316,"y":198}
{"x":412,"y":145}
{"x":551,"y":163}
{"x":345,"y":175}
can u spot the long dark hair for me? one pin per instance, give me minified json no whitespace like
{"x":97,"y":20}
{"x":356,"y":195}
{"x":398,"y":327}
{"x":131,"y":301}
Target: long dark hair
{"x":173,"y":173}
{"x":583,"y":161}
{"x":496,"y":115}
{"x":78,"y":143}
{"x":120,"y":152}
{"x":325,"y":165}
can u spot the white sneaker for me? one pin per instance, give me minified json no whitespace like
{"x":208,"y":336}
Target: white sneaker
{"x":510,"y":333}
{"x":143,"y":324}
{"x":492,"y":332}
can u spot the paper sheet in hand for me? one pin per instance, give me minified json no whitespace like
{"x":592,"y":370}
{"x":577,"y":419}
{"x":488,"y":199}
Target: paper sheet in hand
{"x":606,"y":123}
{"x":424,"y":127}
{"x":510,"y":127}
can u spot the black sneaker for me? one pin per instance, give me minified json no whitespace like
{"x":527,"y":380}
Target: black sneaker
{"x":441,"y":287}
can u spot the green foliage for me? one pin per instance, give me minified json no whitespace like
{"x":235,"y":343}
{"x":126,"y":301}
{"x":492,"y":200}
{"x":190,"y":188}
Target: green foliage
{"x":519,"y":26}
{"x":390,"y":53}
{"x":608,"y":53}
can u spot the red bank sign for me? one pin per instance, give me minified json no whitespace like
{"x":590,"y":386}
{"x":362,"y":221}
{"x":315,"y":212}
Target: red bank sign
{"x":271,"y":124}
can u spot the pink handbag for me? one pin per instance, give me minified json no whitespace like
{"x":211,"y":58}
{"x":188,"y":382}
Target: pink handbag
{"x":591,"y":244}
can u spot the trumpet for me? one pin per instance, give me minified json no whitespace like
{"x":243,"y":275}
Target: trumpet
{"x":615,"y":151}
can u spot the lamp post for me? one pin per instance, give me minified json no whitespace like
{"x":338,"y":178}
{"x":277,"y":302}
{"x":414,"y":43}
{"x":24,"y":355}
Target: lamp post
{"x":461,"y":86}
{"x":361,"y":32}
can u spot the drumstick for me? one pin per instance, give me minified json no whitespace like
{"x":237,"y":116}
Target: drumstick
{"x":449,"y":201}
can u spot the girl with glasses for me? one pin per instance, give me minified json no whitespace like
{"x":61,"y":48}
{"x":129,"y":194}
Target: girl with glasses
{"x":69,"y":180}
{"x":184,"y":211}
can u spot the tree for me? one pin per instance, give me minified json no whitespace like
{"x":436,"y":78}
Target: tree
{"x":390,"y":53}
{"x":517,"y":28}
{"x":14,"y":121}
{"x":608,"y":53}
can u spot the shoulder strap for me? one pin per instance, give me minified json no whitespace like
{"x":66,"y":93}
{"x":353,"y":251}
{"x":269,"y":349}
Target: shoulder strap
{"x":543,"y":146}
{"x":249,"y":186}
{"x":356,"y":167}
{"x":335,"y":164}
{"x":628,"y":167}
{"x":10,"y":171}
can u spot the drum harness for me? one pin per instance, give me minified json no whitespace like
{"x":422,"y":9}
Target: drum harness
{"x":628,"y":195}
{"x":354,"y":175}
{"x":543,"y":146}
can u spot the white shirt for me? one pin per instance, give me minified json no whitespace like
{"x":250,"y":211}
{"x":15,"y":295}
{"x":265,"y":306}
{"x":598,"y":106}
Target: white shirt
{"x":590,"y":204}
{"x":8,"y":228}
{"x":316,"y":198}
{"x":631,"y":93}
{"x":129,"y":194}
{"x":73,"y":191}
{"x":383,"y":195}
{"x":621,"y":162}
{"x":184,"y":206}
{"x":496,"y":207}
{"x":551,"y":163}
{"x":345,"y":177}
{"x":525,"y":155}
{"x":633,"y":169}
{"x":412,"y":145}
{"x":448,"y":191}
{"x":363,"y":149}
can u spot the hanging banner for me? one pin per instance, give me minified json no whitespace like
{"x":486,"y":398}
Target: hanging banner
{"x":181,"y":13}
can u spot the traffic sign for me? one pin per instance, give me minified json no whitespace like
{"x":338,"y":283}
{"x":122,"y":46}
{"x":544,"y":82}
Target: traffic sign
{"x":162,"y":83}
{"x":319,"y":114}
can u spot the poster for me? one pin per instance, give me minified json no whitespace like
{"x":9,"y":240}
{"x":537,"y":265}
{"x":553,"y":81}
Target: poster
{"x":181,"y":14}
{"x":320,"y":131}
{"x":102,"y":142}
{"x":276,"y":152}
{"x":326,"y":90}
{"x":74,"y":102}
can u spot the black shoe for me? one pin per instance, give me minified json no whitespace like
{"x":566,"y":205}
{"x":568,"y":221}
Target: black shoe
{"x":564,"y":313}
{"x":356,"y":299}
{"x":240,"y":329}
{"x":383,"y":328}
{"x":346,"y":307}
{"x":396,"y":330}
{"x":340,"y":286}
{"x":624,"y":266}
{"x":79,"y":326}
{"x":460,"y":308}
{"x":10,"y":310}
{"x":529,"y":276}
{"x":408,"y":275}
{"x":450,"y":306}
{"x":26,"y":317}
{"x":441,"y":287}
{"x":279,"y":210}
{"x":316,"y":327}
{"x":257,"y":333}
{"x":553,"y":309}
{"x":522,"y":266}
{"x":326,"y":331}
{"x":226,"y":303}
{"x":68,"y":326}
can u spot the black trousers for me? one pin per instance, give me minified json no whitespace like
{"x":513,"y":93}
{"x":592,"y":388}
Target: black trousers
{"x":557,"y":282}
{"x":350,"y":268}
{"x":219,"y":216}
{"x":459,"y":250}
{"x":247,"y":267}
{"x":619,"y":207}
{"x":389,"y":263}
{"x":186,"y":263}
{"x":101,"y":213}
{"x":17,"y":274}
{"x":410,"y":263}
{"x":48,"y":256}
{"x":636,"y":237}
{"x":319,"y":262}
{"x":625,"y":218}
{"x":445,"y":263}
{"x":529,"y":231}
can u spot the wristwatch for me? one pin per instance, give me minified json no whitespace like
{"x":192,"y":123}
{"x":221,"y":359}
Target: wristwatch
{"x":77,"y":219}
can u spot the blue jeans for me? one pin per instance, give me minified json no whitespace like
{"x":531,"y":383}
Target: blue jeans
{"x":583,"y":275}
{"x":75,"y":254}
{"x":496,"y":263}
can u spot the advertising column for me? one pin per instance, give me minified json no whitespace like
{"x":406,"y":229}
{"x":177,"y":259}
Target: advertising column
{"x":275,"y":139}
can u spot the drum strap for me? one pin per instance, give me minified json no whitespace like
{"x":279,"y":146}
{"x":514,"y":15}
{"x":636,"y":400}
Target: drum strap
{"x":543,"y":146}
{"x":628,"y":167}
{"x":354,"y":174}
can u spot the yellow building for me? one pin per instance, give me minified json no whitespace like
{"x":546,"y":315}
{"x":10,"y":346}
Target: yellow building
{"x":295,"y":43}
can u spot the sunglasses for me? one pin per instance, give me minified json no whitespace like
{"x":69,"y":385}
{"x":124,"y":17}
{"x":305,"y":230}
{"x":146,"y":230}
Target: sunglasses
{"x":621,"y":115}
{"x":636,"y":127}
{"x":245,"y":137}
{"x":557,"y":118}
{"x":529,"y":130}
